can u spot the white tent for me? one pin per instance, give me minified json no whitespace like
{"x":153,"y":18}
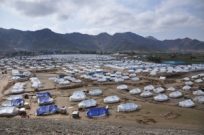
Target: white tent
{"x":161,"y":97}
{"x":189,"y":83}
{"x":132,"y":75}
{"x":198,"y":80}
{"x":62,"y":81}
{"x":17,"y":91}
{"x":186,"y":87}
{"x":7,"y":103}
{"x":186,"y":79}
{"x":8,"y":111}
{"x":36,"y":85}
{"x":118,"y":79}
{"x":35,"y":82}
{"x":95,"y":92}
{"x":135,"y":79}
{"x":175,"y":94}
{"x":187,"y":103}
{"x":135,"y":91}
{"x":18,"y":88}
{"x":111,"y":99}
{"x":125,"y":77}
{"x":87,"y":103}
{"x":15,"y":72}
{"x":13,"y":97}
{"x":15,"y":77}
{"x":159,"y":90}
{"x":27,"y":73}
{"x":199,"y":99}
{"x":19,"y":85}
{"x":103,"y":79}
{"x":198,"y":93}
{"x":77,"y":96}
{"x":171,"y":89}
{"x":146,"y":94}
{"x":76,"y":81}
{"x":195,"y":77}
{"x":127,"y":107}
{"x":162,"y":78}
{"x":149,"y":87}
{"x":153,"y":73}
{"x":122,"y":87}
{"x":201,"y":74}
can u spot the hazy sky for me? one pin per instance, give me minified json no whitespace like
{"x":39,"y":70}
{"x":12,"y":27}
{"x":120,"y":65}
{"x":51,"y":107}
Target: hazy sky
{"x":164,"y":19}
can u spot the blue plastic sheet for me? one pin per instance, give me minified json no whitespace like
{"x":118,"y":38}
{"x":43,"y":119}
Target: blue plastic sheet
{"x":43,"y":94}
{"x":17,"y":102}
{"x":97,"y":112}
{"x":46,"y":110}
{"x":44,"y":100}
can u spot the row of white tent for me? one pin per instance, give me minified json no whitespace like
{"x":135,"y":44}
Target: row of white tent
{"x":124,"y":107}
{"x":81,"y":96}
{"x":17,"y":75}
{"x":115,"y":77}
{"x":195,"y":78}
{"x":149,"y":89}
{"x":7,"y":107}
{"x":153,"y":68}
{"x":65,"y":80}
{"x":101,"y":76}
{"x":86,"y":103}
{"x":94,"y":62}
{"x":49,"y":61}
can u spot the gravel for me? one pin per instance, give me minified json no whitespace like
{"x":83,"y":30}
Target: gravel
{"x":12,"y":126}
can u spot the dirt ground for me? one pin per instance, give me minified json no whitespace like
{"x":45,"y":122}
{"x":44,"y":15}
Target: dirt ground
{"x":3,"y":82}
{"x":153,"y":117}
{"x":80,"y":127}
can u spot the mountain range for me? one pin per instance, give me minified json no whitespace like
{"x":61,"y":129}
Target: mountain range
{"x":12,"y":40}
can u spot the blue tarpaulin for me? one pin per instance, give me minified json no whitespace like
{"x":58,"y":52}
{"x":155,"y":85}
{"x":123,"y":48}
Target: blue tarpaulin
{"x":43,"y":94}
{"x":97,"y":112}
{"x":43,"y":100}
{"x":46,"y":110}
{"x":18,"y":102}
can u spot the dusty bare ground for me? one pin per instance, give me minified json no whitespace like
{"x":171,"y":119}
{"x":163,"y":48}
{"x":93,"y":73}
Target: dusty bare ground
{"x":3,"y":84}
{"x":79,"y":127}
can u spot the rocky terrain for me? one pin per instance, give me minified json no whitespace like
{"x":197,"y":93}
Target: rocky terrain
{"x":78,"y":127}
{"x":45,"y":40}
